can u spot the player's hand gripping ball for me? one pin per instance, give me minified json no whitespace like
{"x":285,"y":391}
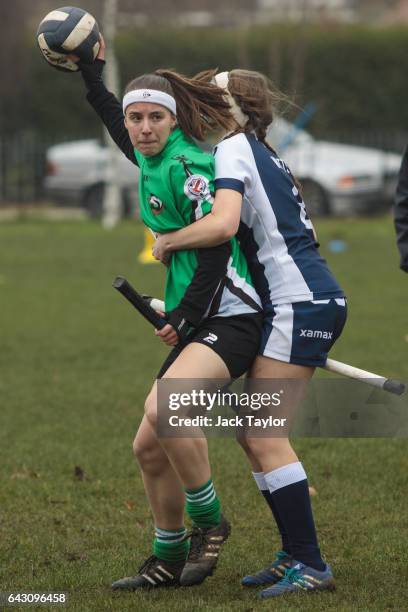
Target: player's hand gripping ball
{"x":68,"y":31}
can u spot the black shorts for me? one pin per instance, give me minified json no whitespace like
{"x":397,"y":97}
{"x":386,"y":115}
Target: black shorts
{"x":235,"y":339}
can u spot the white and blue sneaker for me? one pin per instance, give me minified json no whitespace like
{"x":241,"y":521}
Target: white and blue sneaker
{"x":300,"y":578}
{"x":270,"y":574}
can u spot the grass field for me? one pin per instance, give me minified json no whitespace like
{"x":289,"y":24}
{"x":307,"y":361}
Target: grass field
{"x":75,"y":365}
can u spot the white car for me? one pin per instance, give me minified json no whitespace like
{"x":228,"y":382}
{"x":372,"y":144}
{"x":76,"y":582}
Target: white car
{"x":336,"y":179}
{"x":77,"y":172}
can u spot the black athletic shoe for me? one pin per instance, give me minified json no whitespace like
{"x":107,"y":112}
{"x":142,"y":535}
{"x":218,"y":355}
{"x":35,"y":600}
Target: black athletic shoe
{"x":204,"y":550}
{"x":153,"y":573}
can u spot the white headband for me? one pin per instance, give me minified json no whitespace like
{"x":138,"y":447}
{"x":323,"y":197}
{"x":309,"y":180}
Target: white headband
{"x":150,"y":95}
{"x":221,"y":80}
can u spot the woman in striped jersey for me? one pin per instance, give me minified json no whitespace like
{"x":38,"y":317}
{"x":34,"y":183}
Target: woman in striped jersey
{"x":258,"y":199}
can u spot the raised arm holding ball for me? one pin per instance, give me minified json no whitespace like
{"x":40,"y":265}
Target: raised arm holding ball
{"x":214,"y":313}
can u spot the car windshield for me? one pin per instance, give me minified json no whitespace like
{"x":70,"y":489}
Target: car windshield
{"x":282,"y":134}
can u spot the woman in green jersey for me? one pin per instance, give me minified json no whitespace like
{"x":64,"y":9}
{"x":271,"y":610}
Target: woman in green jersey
{"x":213,"y":310}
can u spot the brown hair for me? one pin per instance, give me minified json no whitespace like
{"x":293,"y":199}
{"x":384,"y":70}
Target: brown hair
{"x":201,"y":106}
{"x":257,"y":97}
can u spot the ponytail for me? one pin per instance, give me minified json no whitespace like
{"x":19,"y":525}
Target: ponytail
{"x":257,"y":98}
{"x":201,"y":106}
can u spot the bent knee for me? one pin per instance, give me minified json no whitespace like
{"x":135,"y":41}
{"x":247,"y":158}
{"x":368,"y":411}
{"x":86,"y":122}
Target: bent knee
{"x":148,"y":453}
{"x":139,"y":447}
{"x":150,"y":410}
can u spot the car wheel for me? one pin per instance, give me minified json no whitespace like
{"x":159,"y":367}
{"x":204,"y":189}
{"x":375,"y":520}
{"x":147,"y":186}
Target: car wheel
{"x":315,"y":199}
{"x":93,"y":200}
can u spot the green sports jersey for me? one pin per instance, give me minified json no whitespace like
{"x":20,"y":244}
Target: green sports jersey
{"x":175,"y":190}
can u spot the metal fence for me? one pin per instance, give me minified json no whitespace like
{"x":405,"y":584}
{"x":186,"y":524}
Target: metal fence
{"x":23,"y":166}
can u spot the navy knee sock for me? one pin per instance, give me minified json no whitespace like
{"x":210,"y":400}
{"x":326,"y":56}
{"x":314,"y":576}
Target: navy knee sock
{"x":289,"y":491}
{"x":263,"y":487}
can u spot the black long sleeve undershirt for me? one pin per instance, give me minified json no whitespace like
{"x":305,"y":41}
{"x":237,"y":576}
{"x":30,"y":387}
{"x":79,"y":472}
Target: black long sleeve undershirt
{"x":108,"y":107}
{"x":208,"y":279}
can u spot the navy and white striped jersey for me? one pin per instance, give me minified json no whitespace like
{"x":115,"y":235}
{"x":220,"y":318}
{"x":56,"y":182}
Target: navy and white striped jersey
{"x":275,"y":232}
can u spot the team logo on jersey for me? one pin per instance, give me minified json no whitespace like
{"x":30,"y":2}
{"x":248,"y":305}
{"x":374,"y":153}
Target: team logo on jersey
{"x":156,"y":205}
{"x":197,"y":187}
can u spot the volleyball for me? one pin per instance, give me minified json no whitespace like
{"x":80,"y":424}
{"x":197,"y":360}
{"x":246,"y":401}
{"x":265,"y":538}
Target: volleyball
{"x":68,"y":31}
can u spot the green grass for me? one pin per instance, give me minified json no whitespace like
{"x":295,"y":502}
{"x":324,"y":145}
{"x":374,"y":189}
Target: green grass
{"x":75,"y":365}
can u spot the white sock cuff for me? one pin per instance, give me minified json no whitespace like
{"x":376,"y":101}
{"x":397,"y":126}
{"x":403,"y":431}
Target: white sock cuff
{"x":170,"y":536}
{"x":284,"y":476}
{"x":259,"y":478}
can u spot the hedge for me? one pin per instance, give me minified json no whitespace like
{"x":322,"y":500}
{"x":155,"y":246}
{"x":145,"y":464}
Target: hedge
{"x":357,"y":76}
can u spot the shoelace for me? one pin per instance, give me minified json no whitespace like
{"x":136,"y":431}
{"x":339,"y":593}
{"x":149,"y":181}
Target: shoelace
{"x":147,"y":564}
{"x":279,"y":556}
{"x":290,"y":576}
{"x":197,"y":536}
